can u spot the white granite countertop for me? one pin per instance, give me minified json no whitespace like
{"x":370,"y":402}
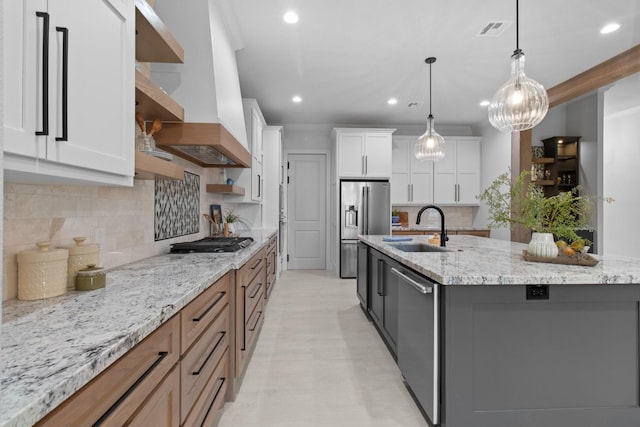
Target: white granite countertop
{"x":433,"y":228}
{"x":481,"y":261}
{"x":53,"y":347}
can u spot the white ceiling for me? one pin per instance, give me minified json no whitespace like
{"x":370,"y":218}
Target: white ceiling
{"x":345,"y":58}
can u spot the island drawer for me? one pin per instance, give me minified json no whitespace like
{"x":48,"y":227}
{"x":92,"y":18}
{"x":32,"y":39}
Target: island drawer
{"x":251,"y":268}
{"x":212,"y":398}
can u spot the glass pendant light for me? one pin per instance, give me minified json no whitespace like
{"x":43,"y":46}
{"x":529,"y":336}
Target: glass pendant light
{"x":520,"y":103}
{"x":430,"y":145}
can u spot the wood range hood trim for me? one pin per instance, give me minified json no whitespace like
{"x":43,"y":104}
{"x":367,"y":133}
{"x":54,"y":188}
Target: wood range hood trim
{"x":199,"y":142}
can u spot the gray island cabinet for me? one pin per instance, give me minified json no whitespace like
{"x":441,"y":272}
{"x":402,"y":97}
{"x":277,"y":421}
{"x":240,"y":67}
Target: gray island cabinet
{"x":485,"y":339}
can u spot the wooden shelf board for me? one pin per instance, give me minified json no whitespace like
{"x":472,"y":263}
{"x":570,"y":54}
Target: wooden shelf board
{"x":542,"y":160}
{"x":566,"y":157}
{"x":543,"y":182}
{"x":153,"y":103}
{"x":235,"y":190}
{"x":154,"y":42}
{"x":149,"y":167}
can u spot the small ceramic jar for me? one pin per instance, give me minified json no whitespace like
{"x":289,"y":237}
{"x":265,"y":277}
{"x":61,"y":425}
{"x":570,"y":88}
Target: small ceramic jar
{"x":42,"y":273}
{"x":80,"y":256}
{"x":91,"y":277}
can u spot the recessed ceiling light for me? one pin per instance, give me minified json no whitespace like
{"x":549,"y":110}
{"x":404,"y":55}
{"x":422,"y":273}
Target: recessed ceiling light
{"x":392,"y":101}
{"x":297,"y":99}
{"x":290,"y":17}
{"x":609,"y":28}
{"x":485,"y":103}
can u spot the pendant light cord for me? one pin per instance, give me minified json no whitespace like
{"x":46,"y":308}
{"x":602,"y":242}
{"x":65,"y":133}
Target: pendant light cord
{"x":429,"y":89}
{"x":517,"y":27}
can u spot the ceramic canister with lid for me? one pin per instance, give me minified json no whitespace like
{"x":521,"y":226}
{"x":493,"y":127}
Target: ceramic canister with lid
{"x":42,"y":273}
{"x":80,"y":256}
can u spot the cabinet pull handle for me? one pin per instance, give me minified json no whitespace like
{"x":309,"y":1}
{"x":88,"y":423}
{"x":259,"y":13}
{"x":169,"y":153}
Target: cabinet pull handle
{"x":204,"y":313}
{"x":256,"y":292}
{"x":256,"y":264}
{"x":215,"y":396}
{"x":65,"y":81}
{"x":362,"y":164}
{"x":366,"y":165}
{"x":213,"y":350}
{"x":45,"y":73}
{"x":417,"y":286}
{"x":259,"y":185}
{"x":412,"y":192}
{"x":409,"y":192}
{"x":103,"y":418}
{"x":380,"y":268}
{"x":255,"y":325}
{"x":244,"y":318}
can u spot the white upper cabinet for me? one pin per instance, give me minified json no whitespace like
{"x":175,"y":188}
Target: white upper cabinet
{"x":412,"y":179}
{"x":363,"y":153}
{"x":457,"y":175}
{"x":69,"y":77}
{"x":252,"y":180}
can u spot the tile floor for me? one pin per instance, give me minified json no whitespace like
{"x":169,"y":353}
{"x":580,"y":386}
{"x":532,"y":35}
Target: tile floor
{"x":320,"y":362}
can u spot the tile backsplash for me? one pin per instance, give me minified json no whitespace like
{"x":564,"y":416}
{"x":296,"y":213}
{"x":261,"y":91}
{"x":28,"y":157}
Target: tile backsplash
{"x":120,"y":219}
{"x":177,"y":207}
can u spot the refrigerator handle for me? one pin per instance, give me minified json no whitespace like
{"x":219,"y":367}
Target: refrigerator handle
{"x":365,"y":214}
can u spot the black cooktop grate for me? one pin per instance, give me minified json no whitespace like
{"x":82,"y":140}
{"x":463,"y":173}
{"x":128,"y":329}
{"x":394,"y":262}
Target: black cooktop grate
{"x":212,"y":244}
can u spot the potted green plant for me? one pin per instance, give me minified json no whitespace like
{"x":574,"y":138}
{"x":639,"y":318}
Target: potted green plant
{"x":231,"y":218}
{"x":512,"y":203}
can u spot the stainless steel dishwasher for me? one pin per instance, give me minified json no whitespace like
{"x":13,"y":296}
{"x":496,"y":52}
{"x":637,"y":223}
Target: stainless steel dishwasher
{"x":418,"y":352}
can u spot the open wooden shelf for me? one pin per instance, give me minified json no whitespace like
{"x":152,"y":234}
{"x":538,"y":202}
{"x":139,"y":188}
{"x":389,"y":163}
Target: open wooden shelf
{"x":149,"y":167}
{"x":542,"y":160}
{"x":225,"y":189}
{"x":543,"y":182}
{"x":154,"y":103}
{"x":154,"y":41}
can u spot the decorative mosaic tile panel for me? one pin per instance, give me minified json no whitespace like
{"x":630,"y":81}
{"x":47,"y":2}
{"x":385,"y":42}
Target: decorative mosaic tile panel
{"x":177,"y":207}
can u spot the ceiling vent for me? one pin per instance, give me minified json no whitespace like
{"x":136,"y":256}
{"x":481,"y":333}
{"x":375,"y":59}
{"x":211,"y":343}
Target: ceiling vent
{"x":494,"y":29}
{"x":415,"y":104}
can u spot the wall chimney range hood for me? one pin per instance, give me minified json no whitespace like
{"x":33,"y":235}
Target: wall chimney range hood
{"x":205,"y":144}
{"x":213,"y":133}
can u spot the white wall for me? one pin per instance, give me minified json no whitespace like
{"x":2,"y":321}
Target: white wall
{"x":621,"y":157}
{"x":554,"y":124}
{"x":495,"y":154}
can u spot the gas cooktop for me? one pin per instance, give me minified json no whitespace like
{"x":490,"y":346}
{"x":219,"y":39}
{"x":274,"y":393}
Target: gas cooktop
{"x":212,"y":244}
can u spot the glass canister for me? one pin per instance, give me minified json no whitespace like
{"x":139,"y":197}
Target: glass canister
{"x":42,"y":273}
{"x":91,"y":277}
{"x":80,"y":256}
{"x":145,"y":142}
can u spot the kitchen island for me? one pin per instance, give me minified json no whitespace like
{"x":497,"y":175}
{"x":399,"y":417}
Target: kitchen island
{"x":53,"y":348}
{"x":484,"y":338}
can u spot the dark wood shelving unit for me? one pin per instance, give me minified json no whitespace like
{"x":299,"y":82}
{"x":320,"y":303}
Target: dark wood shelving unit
{"x":564,"y":151}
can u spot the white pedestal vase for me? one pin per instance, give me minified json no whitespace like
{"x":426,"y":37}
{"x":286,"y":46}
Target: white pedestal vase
{"x":542,"y":245}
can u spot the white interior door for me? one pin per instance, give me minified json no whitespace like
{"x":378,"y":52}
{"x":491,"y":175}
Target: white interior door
{"x":307,"y":202}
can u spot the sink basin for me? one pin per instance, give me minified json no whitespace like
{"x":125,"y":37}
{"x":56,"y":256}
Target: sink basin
{"x":418,"y":247}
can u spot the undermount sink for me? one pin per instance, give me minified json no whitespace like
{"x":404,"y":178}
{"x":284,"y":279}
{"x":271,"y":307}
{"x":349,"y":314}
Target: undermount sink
{"x":418,"y":247}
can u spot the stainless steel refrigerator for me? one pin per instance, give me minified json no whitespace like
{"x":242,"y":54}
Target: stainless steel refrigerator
{"x":365,"y":208}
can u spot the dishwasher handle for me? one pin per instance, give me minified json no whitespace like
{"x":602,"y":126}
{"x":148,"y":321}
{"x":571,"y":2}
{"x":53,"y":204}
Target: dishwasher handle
{"x":417,"y":286}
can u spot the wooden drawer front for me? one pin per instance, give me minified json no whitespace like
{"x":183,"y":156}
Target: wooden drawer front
{"x":196,"y":317}
{"x":408,"y":233}
{"x":112,"y":397}
{"x":212,"y":397}
{"x":253,"y":293}
{"x":479,"y":233}
{"x":253,"y":324}
{"x":161,"y":408}
{"x":271,"y":246}
{"x":251,"y":268}
{"x":200,"y":361}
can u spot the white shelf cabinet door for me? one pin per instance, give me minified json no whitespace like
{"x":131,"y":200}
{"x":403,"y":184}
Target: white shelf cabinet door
{"x":23,"y":80}
{"x":350,"y":155}
{"x":400,"y":173}
{"x":100,"y":85}
{"x":96,"y":38}
{"x":445,"y":180}
{"x":377,"y":152}
{"x":421,"y":179}
{"x":468,"y":171}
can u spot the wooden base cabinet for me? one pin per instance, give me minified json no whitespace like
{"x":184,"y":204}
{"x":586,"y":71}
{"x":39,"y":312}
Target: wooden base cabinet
{"x":271,"y":265}
{"x":250,"y":291}
{"x":114,"y":397}
{"x":161,"y":409}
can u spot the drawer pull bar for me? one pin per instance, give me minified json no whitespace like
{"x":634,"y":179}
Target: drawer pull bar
{"x":256,"y":292}
{"x":213,"y":401}
{"x":257,"y":321}
{"x":213,"y":350}
{"x":112,"y":409}
{"x":244,"y":318}
{"x":45,"y":73}
{"x":220,"y":296}
{"x":65,"y":80}
{"x":256,"y":264}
